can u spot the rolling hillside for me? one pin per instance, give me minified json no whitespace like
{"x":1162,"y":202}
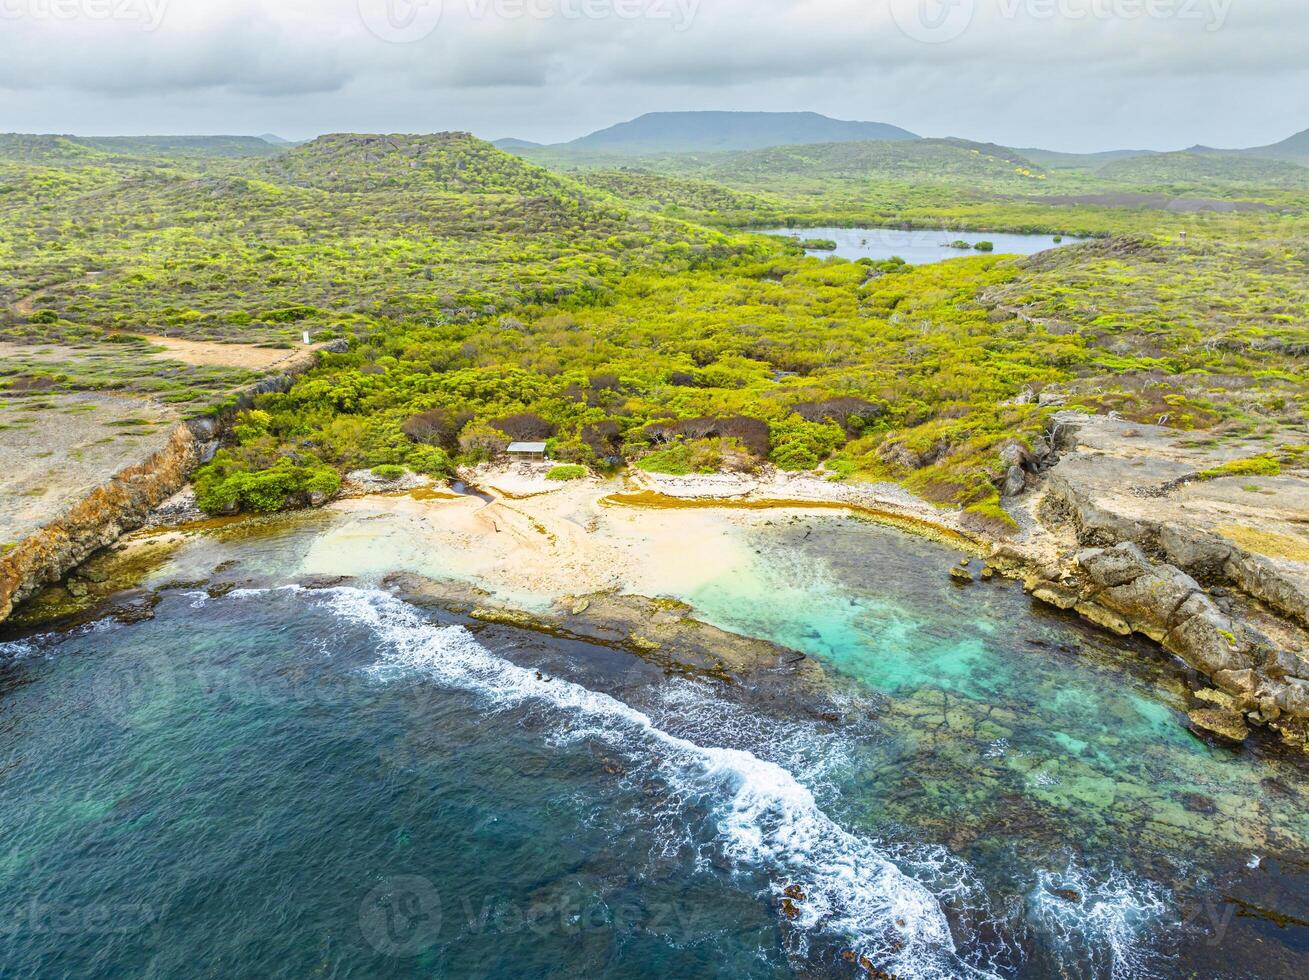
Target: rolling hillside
{"x":1204,"y":170}
{"x":450,"y":162}
{"x":1294,"y":149}
{"x":53,"y":147}
{"x":934,"y":160}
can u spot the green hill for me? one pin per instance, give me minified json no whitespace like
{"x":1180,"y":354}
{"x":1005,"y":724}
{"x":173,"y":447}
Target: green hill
{"x":450,"y":162}
{"x":511,"y":145}
{"x":60,"y":148}
{"x":700,"y":200}
{"x":1186,"y":169}
{"x":1055,"y":160}
{"x":686,"y":132}
{"x":927,"y":159}
{"x":1293,"y":149}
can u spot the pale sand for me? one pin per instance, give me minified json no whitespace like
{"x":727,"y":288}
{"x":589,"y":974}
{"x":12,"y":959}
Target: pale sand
{"x":206,"y":353}
{"x":574,"y":541}
{"x":531,"y":552}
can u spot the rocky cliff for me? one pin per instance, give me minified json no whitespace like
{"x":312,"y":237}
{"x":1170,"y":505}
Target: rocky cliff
{"x":124,"y":501}
{"x":120,"y":505}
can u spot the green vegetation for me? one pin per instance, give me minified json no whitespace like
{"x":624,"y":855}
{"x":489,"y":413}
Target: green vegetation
{"x":226,"y":486}
{"x":614,"y":314}
{"x":1267,"y":465}
{"x":567,"y":471}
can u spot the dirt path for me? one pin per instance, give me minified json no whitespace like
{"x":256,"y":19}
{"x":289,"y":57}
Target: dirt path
{"x":206,"y":353}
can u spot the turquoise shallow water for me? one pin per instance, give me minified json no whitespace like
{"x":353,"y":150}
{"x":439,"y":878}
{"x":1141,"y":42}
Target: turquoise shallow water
{"x":285,"y":783}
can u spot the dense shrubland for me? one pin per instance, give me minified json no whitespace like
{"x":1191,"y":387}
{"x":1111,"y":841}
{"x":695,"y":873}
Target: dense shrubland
{"x":486,"y":300}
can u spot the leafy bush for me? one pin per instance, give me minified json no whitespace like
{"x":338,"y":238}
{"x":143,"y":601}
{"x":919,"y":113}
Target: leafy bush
{"x":1266,"y":465}
{"x":219,"y":489}
{"x":802,"y":445}
{"x":251,"y":425}
{"x":437,"y":427}
{"x":567,"y":471}
{"x":480,"y":442}
{"x":431,"y":461}
{"x":672,"y":461}
{"x":524,"y":427}
{"x":389,"y":471}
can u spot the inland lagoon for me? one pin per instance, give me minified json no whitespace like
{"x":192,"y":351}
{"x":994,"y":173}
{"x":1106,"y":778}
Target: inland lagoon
{"x":917,"y":246}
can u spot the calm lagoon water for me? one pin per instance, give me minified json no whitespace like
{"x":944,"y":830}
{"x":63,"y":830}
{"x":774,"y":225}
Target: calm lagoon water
{"x":917,"y":246}
{"x":278,"y":782}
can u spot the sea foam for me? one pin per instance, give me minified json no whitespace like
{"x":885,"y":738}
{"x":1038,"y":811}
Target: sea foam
{"x":884,"y":900}
{"x":766,"y":819}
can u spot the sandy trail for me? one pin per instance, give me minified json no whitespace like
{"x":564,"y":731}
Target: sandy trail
{"x":205,"y":353}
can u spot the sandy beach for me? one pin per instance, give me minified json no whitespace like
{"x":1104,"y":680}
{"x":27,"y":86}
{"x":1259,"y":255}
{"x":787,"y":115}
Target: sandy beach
{"x":534,"y":543}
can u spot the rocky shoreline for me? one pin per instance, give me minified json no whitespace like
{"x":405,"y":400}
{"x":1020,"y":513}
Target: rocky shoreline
{"x":1236,"y":616}
{"x":1124,"y":556}
{"x":1129,"y":562}
{"x":662,"y":632}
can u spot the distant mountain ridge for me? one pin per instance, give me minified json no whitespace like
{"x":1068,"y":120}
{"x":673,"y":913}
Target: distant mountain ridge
{"x":509,"y":144}
{"x":1293,"y":149}
{"x":689,"y":132}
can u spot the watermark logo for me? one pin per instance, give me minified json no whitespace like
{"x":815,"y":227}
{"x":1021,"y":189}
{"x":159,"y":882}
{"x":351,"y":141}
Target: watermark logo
{"x":1212,"y":14}
{"x":401,"y":21}
{"x":121,"y":697}
{"x":407,"y":21}
{"x":36,"y":918}
{"x":401,"y":916}
{"x":941,"y":21}
{"x":149,"y":14}
{"x":933,"y":21}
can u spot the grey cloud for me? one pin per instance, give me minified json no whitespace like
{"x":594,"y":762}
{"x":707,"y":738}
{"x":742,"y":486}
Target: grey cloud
{"x":313,"y":64}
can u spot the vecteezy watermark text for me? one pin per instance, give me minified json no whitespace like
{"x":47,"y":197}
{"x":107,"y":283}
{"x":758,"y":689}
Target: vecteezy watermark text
{"x":37,"y":917}
{"x":405,"y":914}
{"x":939,"y":21}
{"x":406,"y":21}
{"x":1211,"y":13}
{"x":149,"y":14}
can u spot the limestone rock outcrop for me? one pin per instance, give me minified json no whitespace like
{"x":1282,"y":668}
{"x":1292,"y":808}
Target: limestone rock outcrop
{"x":1121,"y":589}
{"x":97,"y":520}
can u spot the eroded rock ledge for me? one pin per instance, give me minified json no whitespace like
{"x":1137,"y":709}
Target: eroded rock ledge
{"x":124,"y":501}
{"x":1132,"y":541}
{"x":122,"y":504}
{"x":1120,"y":589}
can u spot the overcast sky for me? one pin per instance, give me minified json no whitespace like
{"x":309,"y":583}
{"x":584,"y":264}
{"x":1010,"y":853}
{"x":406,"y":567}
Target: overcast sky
{"x":1063,"y":74}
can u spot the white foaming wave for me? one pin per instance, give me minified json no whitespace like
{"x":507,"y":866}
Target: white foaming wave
{"x":765,"y":818}
{"x":44,"y":644}
{"x":1107,"y":922}
{"x":697,"y":713}
{"x":16,"y":650}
